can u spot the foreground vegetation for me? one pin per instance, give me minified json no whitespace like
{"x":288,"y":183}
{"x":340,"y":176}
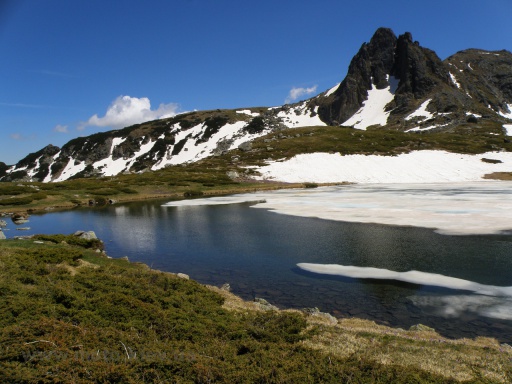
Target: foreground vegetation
{"x":69,"y":314}
{"x":228,"y":173}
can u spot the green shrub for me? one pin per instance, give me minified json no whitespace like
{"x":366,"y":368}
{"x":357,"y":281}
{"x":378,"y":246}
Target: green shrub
{"x":55,"y":255}
{"x":9,"y":189}
{"x":38,"y":196}
{"x":128,"y":190}
{"x":16,"y":201}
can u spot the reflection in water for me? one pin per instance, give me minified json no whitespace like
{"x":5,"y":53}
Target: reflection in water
{"x":257,"y":251}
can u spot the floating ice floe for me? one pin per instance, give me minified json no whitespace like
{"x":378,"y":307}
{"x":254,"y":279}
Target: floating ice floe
{"x":488,"y":300}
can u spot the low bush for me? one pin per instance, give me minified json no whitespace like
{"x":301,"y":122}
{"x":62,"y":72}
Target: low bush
{"x":16,"y":201}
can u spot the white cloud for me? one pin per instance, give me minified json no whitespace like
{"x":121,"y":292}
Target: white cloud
{"x":125,"y":111}
{"x":61,"y":128}
{"x":295,"y":93}
{"x":16,"y":136}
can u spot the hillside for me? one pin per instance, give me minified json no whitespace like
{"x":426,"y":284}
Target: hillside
{"x":71,"y":314}
{"x":393,"y":84}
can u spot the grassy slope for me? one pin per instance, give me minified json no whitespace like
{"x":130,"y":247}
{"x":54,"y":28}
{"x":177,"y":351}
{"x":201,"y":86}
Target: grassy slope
{"x":69,"y":314}
{"x":209,"y":176}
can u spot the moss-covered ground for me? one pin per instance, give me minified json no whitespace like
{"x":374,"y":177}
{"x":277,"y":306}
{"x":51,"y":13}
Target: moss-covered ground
{"x":70,"y":314}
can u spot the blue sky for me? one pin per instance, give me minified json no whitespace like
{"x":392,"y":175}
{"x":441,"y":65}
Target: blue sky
{"x":72,"y":68}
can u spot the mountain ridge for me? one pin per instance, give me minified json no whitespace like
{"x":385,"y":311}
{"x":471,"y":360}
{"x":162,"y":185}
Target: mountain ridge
{"x":392,"y":83}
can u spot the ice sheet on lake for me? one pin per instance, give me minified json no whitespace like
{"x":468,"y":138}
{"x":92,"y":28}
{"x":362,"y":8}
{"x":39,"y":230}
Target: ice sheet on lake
{"x":490,"y":301}
{"x":414,"y":277}
{"x":450,"y":208}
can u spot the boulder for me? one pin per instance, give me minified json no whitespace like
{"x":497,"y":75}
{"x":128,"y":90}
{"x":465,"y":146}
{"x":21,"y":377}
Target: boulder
{"x":2,"y":235}
{"x":89,"y":235}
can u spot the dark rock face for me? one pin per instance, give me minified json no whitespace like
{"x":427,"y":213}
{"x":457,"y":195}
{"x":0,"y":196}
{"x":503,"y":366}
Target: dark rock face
{"x":485,"y":76}
{"x":419,"y":71}
{"x":471,"y":81}
{"x":371,"y":64}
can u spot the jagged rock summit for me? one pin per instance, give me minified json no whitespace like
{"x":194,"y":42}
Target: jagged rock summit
{"x":415,"y":89}
{"x":392,"y":83}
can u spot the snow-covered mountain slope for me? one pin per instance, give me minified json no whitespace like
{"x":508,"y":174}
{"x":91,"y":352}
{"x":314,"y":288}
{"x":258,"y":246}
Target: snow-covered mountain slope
{"x":392,"y":83}
{"x":157,"y":144}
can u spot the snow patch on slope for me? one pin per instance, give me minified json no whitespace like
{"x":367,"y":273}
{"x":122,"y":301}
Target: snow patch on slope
{"x":300,"y":116}
{"x":421,"y":112}
{"x":508,"y":129}
{"x":454,"y":80}
{"x":71,"y":169}
{"x":415,"y":167}
{"x":505,"y":114}
{"x":332,"y":90}
{"x":373,"y":111}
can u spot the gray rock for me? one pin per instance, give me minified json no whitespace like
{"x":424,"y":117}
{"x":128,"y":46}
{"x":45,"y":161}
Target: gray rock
{"x":183,"y":276}
{"x":315,"y":312}
{"x":3,"y":224}
{"x":226,"y":287}
{"x":245,"y":147}
{"x":2,"y":235}
{"x":264,"y":304}
{"x":421,"y":328}
{"x":89,"y":235}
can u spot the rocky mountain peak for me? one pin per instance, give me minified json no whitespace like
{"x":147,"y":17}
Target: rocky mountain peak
{"x":419,"y":69}
{"x":370,"y":66}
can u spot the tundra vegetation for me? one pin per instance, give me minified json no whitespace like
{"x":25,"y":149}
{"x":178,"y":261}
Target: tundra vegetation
{"x":69,"y":313}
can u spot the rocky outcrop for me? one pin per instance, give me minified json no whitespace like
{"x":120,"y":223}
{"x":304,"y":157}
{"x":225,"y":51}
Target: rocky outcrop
{"x":87,"y":235}
{"x":371,"y":65}
{"x":469,"y":82}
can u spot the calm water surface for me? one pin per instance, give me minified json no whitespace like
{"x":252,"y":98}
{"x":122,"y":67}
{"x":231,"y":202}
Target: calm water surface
{"x":256,"y":251}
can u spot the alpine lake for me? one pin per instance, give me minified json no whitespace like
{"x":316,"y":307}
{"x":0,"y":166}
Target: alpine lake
{"x":257,"y":251}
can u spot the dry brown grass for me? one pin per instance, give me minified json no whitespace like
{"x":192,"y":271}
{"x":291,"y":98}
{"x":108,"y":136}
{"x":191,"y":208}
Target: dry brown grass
{"x":481,"y":359}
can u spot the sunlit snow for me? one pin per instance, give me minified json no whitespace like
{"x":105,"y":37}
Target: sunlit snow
{"x":71,"y":169}
{"x":300,"y":117}
{"x":373,"y":110}
{"x":248,"y":112}
{"x":415,"y":167}
{"x":508,"y":129}
{"x":332,"y":90}
{"x":454,"y":80}
{"x":421,"y":111}
{"x":505,"y":114}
